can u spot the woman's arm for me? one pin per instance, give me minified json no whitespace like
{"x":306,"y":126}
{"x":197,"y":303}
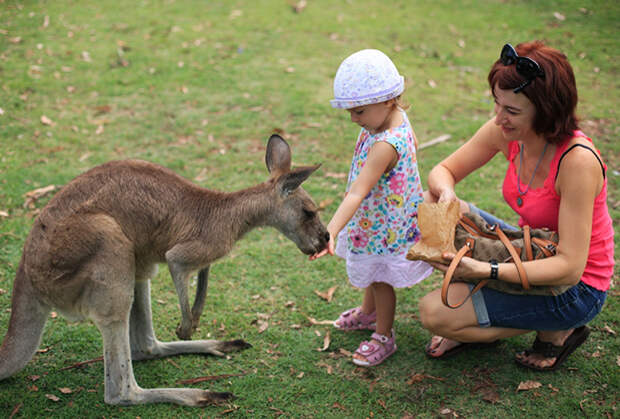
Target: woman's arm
{"x":475,"y":153}
{"x":380,"y":157}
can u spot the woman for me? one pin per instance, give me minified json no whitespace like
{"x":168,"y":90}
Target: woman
{"x":555,"y":179}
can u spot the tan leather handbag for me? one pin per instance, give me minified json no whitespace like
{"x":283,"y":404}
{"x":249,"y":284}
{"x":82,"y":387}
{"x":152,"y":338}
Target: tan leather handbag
{"x":474,"y":238}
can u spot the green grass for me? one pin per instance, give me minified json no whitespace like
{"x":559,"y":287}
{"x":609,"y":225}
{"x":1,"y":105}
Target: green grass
{"x":201,"y":85}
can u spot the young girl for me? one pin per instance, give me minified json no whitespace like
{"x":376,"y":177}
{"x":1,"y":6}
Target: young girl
{"x":376,"y":221}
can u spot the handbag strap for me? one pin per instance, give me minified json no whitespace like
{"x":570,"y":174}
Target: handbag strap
{"x":472,"y":228}
{"x":527,"y":242}
{"x":447,"y":279}
{"x":515,"y":258}
{"x":467,"y":248}
{"x":547,"y":247}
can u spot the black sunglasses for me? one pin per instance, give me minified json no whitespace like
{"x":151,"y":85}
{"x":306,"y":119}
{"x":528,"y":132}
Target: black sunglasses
{"x":526,"y":67}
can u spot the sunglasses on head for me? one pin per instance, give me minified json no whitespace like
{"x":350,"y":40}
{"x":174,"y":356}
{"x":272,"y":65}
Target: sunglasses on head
{"x":526,"y":67}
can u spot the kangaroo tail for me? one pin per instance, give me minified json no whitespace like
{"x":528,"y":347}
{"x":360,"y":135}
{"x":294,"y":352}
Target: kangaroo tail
{"x":28,"y":317}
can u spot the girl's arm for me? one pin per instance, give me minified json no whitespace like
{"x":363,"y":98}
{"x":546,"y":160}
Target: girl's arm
{"x":578,"y":184}
{"x":380,"y":157}
{"x":475,"y":153}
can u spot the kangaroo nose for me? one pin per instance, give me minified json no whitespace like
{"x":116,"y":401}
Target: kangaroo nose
{"x":327,"y":237}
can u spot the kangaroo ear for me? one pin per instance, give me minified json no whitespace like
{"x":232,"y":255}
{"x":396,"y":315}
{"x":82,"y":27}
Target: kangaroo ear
{"x":290,"y":181}
{"x":278,"y":156}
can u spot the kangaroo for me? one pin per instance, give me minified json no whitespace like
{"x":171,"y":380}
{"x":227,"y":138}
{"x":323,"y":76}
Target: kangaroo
{"x":94,"y":247}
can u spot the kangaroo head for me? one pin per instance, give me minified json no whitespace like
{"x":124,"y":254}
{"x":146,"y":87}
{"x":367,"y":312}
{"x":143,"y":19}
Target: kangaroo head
{"x":295,"y":213}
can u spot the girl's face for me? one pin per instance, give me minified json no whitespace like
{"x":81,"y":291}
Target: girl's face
{"x":374,"y":118}
{"x":514,"y":113}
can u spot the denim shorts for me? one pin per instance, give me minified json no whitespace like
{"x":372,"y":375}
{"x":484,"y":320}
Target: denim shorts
{"x":569,"y":310}
{"x":574,"y":308}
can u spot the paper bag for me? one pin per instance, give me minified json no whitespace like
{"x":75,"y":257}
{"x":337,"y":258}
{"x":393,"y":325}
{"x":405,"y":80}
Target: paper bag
{"x":437,"y":223}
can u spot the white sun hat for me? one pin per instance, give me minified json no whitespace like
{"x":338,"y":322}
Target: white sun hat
{"x":365,"y":77}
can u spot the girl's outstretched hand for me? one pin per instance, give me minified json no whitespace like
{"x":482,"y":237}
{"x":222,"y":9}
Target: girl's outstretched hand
{"x":329,"y":249}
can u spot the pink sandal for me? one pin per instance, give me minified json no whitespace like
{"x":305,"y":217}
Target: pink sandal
{"x":356,"y":319}
{"x":375,"y":353}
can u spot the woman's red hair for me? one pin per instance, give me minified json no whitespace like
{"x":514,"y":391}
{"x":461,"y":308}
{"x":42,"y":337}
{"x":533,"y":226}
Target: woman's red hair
{"x":554,"y":96}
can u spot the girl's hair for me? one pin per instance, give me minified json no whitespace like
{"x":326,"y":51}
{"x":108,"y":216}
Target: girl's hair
{"x":402,"y":103}
{"x":554,"y":96}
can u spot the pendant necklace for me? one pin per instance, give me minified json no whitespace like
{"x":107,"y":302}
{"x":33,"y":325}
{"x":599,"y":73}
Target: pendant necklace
{"x":519,"y":199}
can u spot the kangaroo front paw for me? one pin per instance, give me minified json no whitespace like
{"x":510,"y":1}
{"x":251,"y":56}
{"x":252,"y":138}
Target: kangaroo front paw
{"x":185,"y":333}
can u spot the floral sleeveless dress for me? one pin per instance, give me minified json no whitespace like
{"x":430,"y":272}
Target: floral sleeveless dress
{"x":384,"y":227}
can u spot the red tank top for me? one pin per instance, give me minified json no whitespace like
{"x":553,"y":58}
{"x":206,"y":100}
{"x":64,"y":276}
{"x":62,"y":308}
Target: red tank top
{"x":541,"y":208}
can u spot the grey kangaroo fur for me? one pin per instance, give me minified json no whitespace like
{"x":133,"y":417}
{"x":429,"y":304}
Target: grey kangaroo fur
{"x":95,"y":246}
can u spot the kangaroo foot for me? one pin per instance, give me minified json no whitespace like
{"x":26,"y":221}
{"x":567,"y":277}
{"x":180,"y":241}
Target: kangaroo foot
{"x":233,"y":345}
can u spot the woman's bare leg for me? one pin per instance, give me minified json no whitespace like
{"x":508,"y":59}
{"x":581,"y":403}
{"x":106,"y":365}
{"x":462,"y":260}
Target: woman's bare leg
{"x":456,"y":325}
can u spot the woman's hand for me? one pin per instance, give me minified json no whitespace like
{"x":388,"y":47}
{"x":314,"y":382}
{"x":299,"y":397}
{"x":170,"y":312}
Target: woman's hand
{"x":447,"y":195}
{"x":328,"y":249}
{"x":467,"y":268}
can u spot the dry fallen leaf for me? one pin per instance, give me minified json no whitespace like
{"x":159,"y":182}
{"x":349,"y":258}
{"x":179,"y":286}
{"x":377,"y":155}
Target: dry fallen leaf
{"x":345,"y":352}
{"x":528,"y":385}
{"x":489,"y":394}
{"x":559,"y":16}
{"x":262,"y":326}
{"x":618,"y":361}
{"x":337,"y":405}
{"x":327,"y":295}
{"x":32,"y":196}
{"x":417,"y":377}
{"x":448,"y":413}
{"x":320,"y":322}
{"x":65,"y":390}
{"x":300,"y":6}
{"x":4,"y":213}
{"x":605,"y":328}
{"x":52,"y":397}
{"x":46,"y":121}
{"x":15,"y":410}
{"x":326,"y":341}
{"x":329,"y":368}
